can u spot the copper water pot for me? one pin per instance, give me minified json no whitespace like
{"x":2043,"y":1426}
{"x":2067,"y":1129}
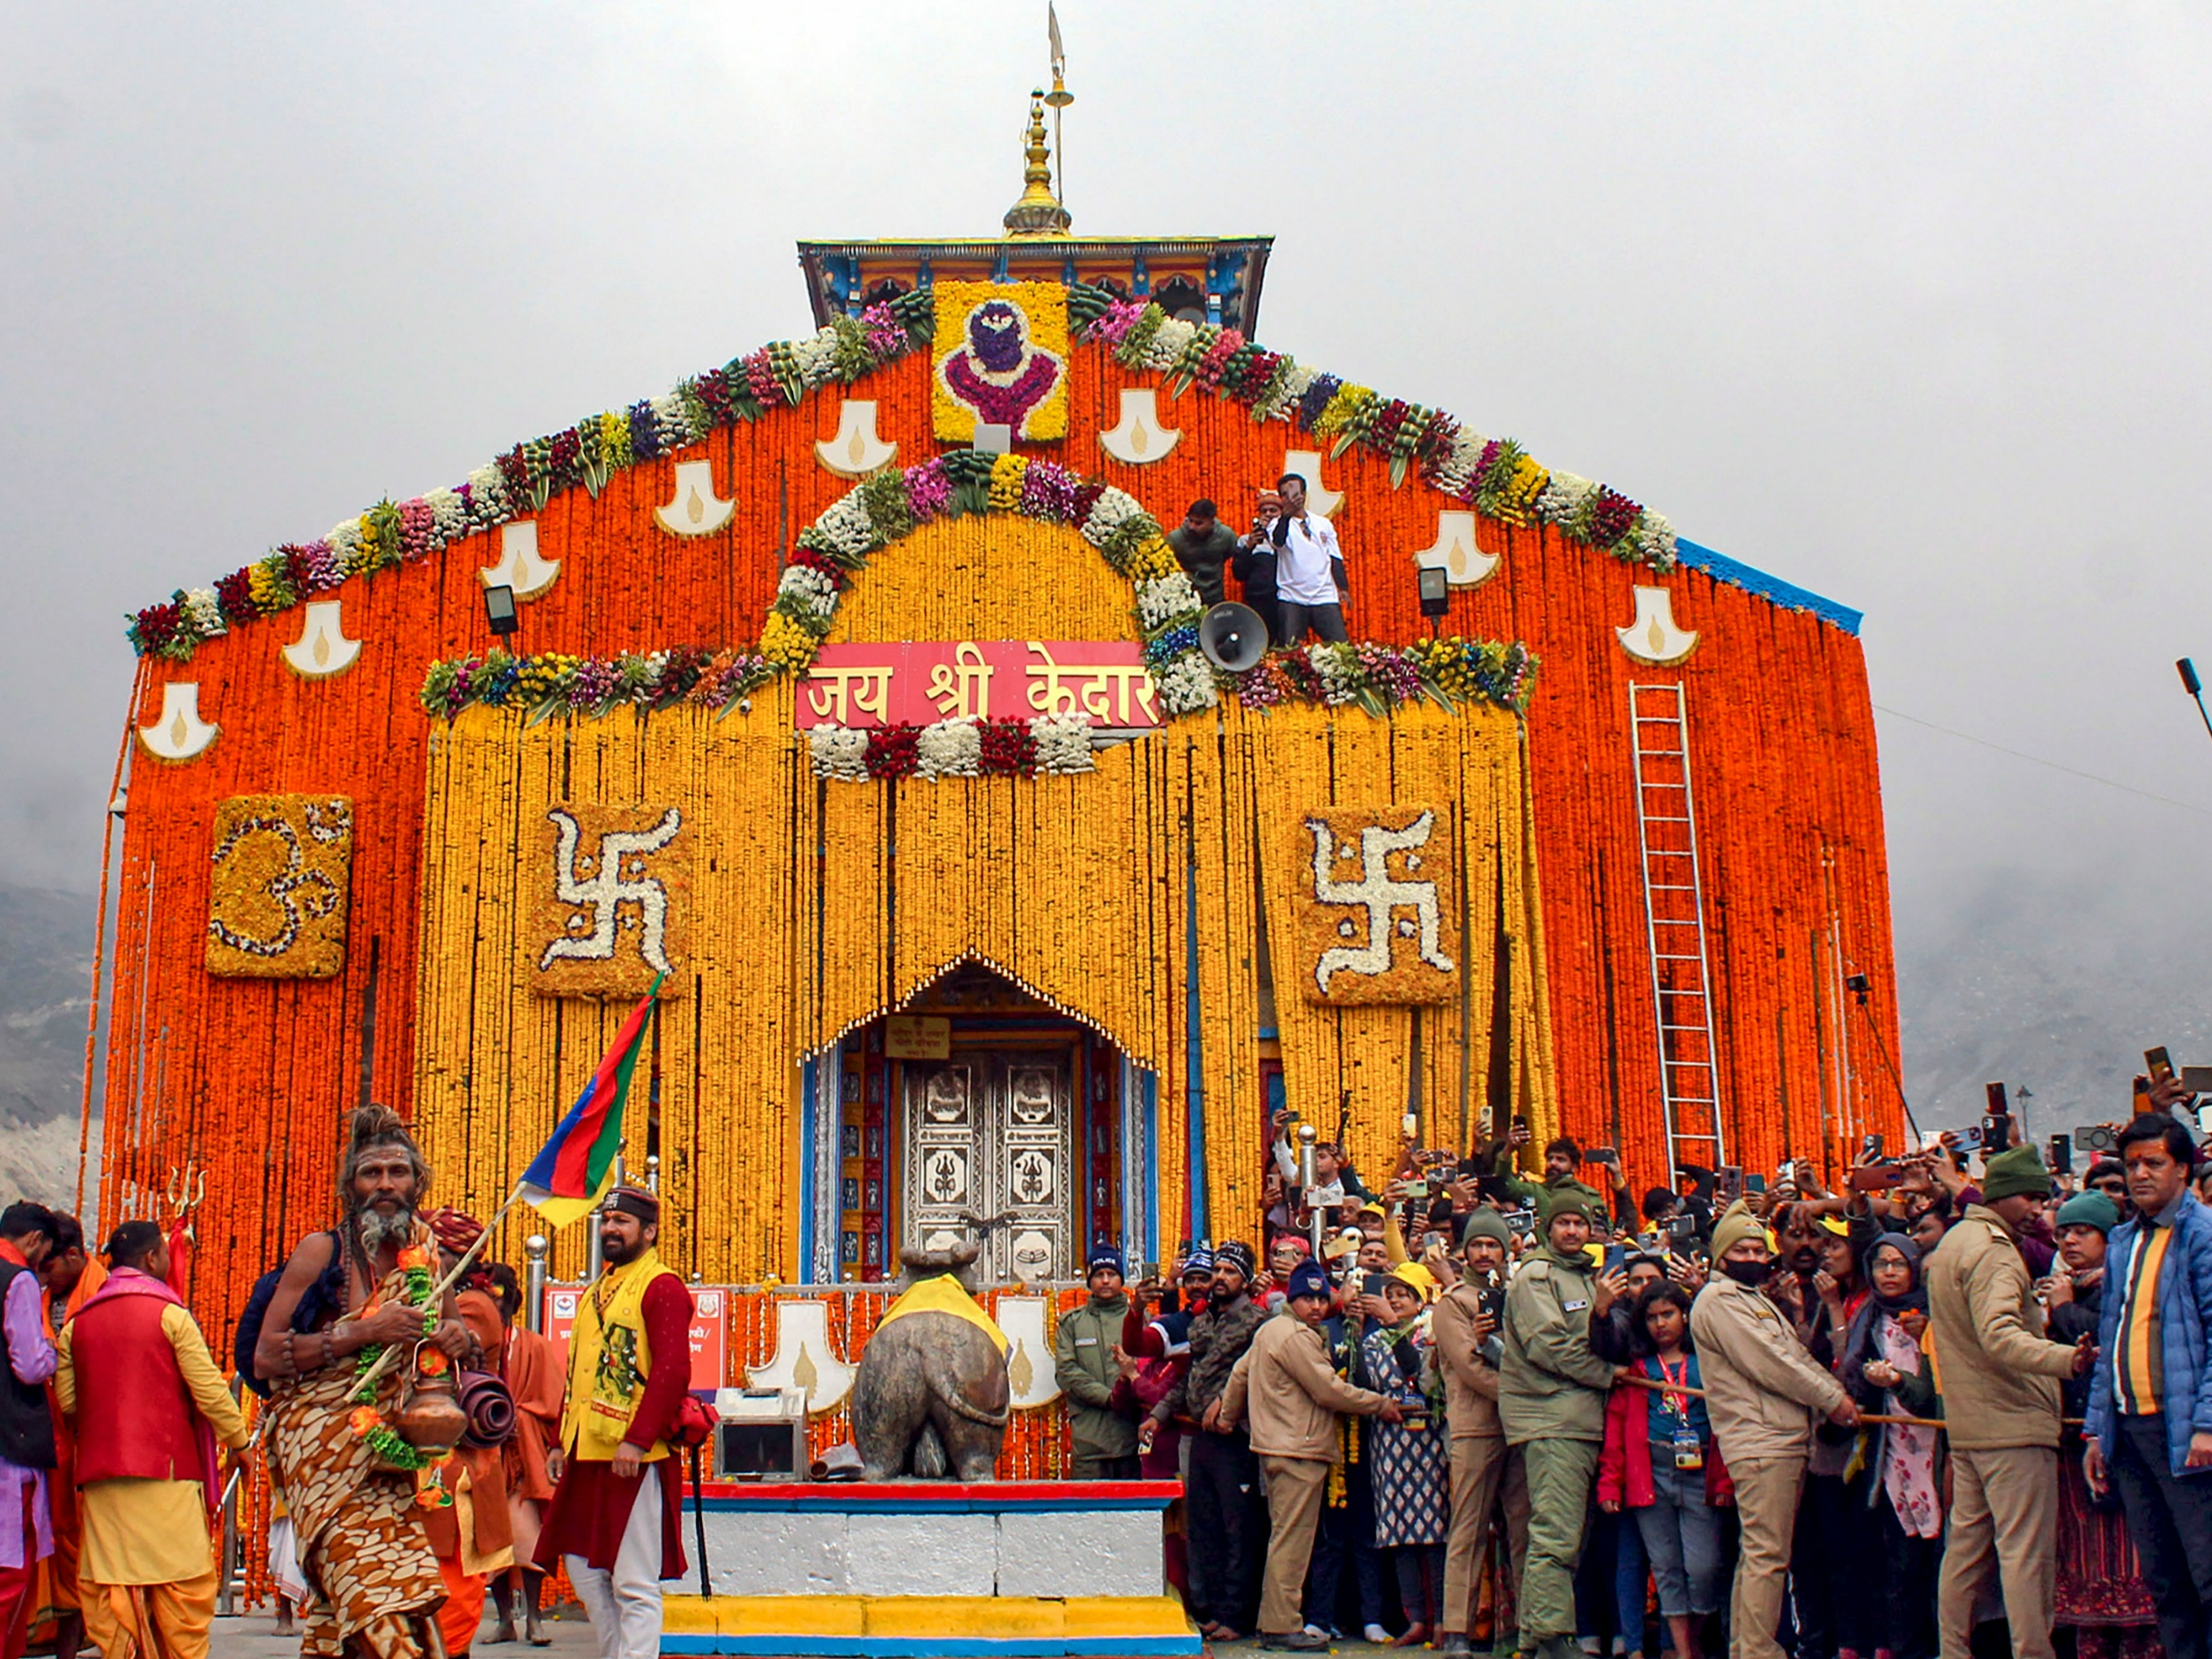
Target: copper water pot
{"x":430,"y":1419}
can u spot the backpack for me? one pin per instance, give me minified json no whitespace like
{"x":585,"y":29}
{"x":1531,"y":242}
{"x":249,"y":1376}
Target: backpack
{"x":326,"y":1295}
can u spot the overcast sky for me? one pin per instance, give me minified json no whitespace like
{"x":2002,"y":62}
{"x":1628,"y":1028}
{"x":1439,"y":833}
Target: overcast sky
{"x":1904,"y":304}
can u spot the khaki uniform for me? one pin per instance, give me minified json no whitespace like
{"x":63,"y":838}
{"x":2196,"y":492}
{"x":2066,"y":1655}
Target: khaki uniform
{"x":1482,"y":1462}
{"x":1293,"y":1396}
{"x":1762,"y":1392}
{"x":2000,"y":1408}
{"x":1551,"y":1395}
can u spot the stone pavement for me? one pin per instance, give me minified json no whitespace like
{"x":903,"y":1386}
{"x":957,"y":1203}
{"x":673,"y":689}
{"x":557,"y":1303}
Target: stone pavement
{"x":249,"y":1637}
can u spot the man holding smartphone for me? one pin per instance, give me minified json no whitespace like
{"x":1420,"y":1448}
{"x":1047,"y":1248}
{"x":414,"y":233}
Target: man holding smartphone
{"x":1310,"y":586}
{"x":1464,"y":1322}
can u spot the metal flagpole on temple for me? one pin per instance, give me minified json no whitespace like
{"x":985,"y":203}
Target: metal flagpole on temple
{"x":1058,"y":97}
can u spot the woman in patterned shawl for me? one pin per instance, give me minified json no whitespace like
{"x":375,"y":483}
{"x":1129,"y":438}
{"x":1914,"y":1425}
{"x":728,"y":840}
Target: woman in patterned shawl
{"x":359,"y":1533}
{"x":1412,"y":1459}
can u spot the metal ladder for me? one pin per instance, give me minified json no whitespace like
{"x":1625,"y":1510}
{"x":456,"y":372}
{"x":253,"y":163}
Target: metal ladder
{"x":1673,"y":914}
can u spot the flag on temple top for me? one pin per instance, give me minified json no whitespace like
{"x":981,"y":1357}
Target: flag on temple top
{"x":574,"y":1169}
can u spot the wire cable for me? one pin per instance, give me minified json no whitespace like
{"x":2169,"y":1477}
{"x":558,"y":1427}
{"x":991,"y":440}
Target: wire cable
{"x":2017,"y":754}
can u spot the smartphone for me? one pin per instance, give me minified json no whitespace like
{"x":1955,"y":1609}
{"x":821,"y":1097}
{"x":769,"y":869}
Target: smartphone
{"x":1870,"y":1147}
{"x":2197,"y":1079}
{"x":1615,"y":1255}
{"x":2061,"y":1157}
{"x":1603,"y":1155}
{"x":2097,"y":1137}
{"x":2159,"y":1064}
{"x":1370,"y":1284}
{"x":1521,"y":1122}
{"x":1969,"y":1139}
{"x":1681,"y":1229}
{"x":1996,"y":1132}
{"x":1994,"y":1094}
{"x":1754,"y":1183}
{"x":1875,"y":1177}
{"x":1416,"y":1190}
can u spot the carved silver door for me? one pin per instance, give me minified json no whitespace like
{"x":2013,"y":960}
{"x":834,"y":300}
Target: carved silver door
{"x":992,"y":1135}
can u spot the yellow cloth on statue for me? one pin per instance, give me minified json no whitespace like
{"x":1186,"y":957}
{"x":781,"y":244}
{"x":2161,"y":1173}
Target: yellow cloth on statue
{"x":608,"y":1361}
{"x":145,"y":1532}
{"x":944,"y":1294}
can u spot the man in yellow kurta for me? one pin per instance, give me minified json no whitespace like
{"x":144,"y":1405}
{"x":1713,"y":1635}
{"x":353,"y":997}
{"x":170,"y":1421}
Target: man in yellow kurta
{"x":148,"y":1405}
{"x":616,"y":1515}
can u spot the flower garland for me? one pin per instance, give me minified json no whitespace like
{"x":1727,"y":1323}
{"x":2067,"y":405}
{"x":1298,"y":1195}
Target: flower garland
{"x":519,"y":482}
{"x":1493,"y":475}
{"x":1043,"y":746}
{"x":365,"y":1421}
{"x":554,"y":683}
{"x":1377,"y":679}
{"x":893,"y":503}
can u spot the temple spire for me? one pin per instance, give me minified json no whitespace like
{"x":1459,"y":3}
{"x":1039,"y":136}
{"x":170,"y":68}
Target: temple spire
{"x":1039,"y":212}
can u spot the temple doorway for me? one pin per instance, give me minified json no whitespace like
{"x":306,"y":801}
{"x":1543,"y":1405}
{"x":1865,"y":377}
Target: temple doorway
{"x":991,"y":1144}
{"x":977,"y":1107}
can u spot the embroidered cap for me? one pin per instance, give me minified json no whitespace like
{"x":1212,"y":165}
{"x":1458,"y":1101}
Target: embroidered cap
{"x":633,"y":1200}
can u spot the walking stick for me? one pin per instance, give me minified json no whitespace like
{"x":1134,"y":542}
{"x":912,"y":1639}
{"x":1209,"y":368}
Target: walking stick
{"x":699,"y":1525}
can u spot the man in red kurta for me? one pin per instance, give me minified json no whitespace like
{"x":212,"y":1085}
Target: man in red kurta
{"x":617,"y":1514}
{"x":148,"y":1406}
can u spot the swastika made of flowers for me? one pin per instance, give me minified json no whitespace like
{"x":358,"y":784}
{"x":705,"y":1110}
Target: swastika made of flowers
{"x":610,"y":904}
{"x":1377,"y":900}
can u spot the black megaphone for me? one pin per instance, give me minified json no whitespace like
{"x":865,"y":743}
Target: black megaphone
{"x":1233,"y":637}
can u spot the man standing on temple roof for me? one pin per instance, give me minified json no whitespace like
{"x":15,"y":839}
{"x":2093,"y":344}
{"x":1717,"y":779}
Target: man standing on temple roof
{"x":148,"y":1406}
{"x":1203,"y":545}
{"x":27,"y":1232}
{"x":1310,"y":586}
{"x":362,"y":1284}
{"x":617,"y":1513}
{"x":1253,"y":564}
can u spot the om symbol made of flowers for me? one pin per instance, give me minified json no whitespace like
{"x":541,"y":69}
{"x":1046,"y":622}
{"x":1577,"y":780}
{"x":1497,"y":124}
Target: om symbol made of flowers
{"x":1378,"y":909}
{"x":1001,"y":359}
{"x":612,"y":915}
{"x":277,"y":904}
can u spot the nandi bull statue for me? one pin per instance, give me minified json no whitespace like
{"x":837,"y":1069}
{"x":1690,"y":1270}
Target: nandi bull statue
{"x":931,"y":1398}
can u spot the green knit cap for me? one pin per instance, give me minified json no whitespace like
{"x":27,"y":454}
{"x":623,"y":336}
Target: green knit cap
{"x":1486,"y":1223}
{"x":1566,"y":1201}
{"x":2088,"y":1209}
{"x":2013,"y":1171}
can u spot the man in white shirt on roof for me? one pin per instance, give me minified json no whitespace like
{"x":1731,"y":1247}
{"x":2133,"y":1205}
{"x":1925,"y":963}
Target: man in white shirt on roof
{"x":1309,"y":569}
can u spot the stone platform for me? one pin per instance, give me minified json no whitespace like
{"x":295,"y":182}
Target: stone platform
{"x":1023,"y":1569}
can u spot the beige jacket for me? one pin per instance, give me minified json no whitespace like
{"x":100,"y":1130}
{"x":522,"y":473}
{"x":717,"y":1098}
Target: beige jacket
{"x":1470,"y":1386}
{"x":1293,"y":1396}
{"x":2000,"y":1376}
{"x":1763,"y":1390}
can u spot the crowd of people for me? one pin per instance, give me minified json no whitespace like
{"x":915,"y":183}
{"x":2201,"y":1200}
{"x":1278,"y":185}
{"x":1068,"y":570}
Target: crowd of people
{"x":112,"y":1411}
{"x":1539,"y":1415}
{"x":1530,"y":1412}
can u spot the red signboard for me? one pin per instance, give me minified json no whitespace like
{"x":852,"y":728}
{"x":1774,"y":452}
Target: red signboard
{"x":869,"y":685}
{"x":710,"y":1330}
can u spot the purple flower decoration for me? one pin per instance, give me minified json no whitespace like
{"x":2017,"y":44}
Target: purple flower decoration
{"x":929,"y":490}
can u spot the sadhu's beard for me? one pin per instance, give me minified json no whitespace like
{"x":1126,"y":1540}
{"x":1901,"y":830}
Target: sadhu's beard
{"x":378,"y":1229}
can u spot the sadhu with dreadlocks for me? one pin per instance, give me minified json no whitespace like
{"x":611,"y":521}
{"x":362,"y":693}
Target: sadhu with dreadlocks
{"x":345,"y":1295}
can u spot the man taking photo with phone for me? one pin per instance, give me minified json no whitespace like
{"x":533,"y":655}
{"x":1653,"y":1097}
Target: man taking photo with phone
{"x":1310,"y":587}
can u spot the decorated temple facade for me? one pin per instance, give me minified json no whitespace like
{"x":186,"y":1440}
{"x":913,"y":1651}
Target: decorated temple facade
{"x":855,"y":697}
